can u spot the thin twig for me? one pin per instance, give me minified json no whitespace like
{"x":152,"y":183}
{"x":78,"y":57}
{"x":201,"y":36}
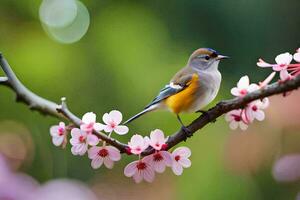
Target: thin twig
{"x":61,"y":111}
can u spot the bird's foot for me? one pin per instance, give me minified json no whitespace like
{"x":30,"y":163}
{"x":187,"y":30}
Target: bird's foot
{"x":187,"y":131}
{"x":207,"y":115}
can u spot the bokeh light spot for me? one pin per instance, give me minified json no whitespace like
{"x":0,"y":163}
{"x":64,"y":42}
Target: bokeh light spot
{"x":72,"y":32}
{"x":58,"y":13}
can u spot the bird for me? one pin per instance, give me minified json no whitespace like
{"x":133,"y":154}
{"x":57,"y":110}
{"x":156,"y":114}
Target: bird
{"x":191,"y":88}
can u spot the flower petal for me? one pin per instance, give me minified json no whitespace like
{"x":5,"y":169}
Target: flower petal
{"x":177,"y":168}
{"x":259,"y":115}
{"x":108,"y":129}
{"x":89,"y":117}
{"x":54,"y":130}
{"x":297,"y":57}
{"x":79,"y":149}
{"x":116,"y":116}
{"x":262,"y":63}
{"x":57,"y":141}
{"x":243,"y":82}
{"x":167,"y":157}
{"x":62,"y":125}
{"x":99,"y":127}
{"x":136,"y":140}
{"x":149,"y":174}
{"x":131,"y":169}
{"x":284,"y":58}
{"x":159,"y":166}
{"x":284,"y":75}
{"x":243,"y":126}
{"x":76,"y":132}
{"x":157,"y":139}
{"x":233,"y":125}
{"x":113,"y":153}
{"x":121,"y":130}
{"x":185,"y":162}
{"x":97,"y":162}
{"x":108,"y":163}
{"x":184,"y":152}
{"x":93,"y":152}
{"x":106,"y":118}
{"x":92,"y":139}
{"x":235,"y":92}
{"x":252,"y":87}
{"x":138,"y":177}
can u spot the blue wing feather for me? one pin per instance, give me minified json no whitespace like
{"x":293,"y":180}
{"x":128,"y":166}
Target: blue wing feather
{"x":163,"y":94}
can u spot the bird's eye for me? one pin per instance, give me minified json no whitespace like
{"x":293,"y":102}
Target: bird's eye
{"x":206,"y":57}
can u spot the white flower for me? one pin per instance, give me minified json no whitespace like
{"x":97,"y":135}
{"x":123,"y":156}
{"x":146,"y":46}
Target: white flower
{"x":80,"y":141}
{"x":181,"y":159}
{"x":160,"y":160}
{"x":297,"y":55}
{"x":89,"y":123}
{"x":244,"y":87}
{"x":138,"y":144}
{"x":255,"y":109}
{"x":106,"y":154}
{"x":112,"y":121}
{"x":236,"y":120}
{"x":58,"y":133}
{"x":140,"y":170}
{"x":282,"y":62}
{"x":157,"y":139}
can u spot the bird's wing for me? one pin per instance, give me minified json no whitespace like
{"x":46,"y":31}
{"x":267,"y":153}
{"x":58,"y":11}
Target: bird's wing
{"x":174,"y":87}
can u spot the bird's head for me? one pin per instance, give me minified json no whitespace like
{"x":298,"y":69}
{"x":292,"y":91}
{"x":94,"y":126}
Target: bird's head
{"x":205,"y":58}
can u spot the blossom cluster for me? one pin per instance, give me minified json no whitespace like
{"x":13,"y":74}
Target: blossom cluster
{"x":146,"y":167}
{"x":255,"y":110}
{"x":83,"y":140}
{"x":283,"y":65}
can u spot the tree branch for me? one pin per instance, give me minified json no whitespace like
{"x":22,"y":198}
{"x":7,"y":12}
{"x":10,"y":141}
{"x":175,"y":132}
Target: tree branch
{"x":45,"y":106}
{"x":225,"y":106}
{"x":61,"y":111}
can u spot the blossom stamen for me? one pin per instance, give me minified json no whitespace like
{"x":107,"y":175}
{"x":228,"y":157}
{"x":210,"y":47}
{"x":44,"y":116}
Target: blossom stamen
{"x":103,"y":153}
{"x":141,"y":165}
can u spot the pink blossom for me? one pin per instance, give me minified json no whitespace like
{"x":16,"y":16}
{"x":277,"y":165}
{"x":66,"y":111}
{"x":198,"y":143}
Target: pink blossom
{"x":297,"y":55}
{"x":138,"y":144}
{"x":106,"y":154}
{"x":287,"y":70}
{"x":157,"y":139}
{"x":140,"y":170}
{"x":180,"y":159}
{"x":80,"y":141}
{"x":237,"y":118}
{"x":254,"y":110}
{"x":160,"y":160}
{"x":112,"y":121}
{"x":284,"y":75}
{"x":244,"y":87}
{"x":58,"y":133}
{"x":282,"y":62}
{"x":89,"y":123}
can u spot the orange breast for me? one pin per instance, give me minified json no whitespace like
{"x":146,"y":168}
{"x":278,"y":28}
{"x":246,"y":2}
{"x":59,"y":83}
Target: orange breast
{"x":182,"y":101}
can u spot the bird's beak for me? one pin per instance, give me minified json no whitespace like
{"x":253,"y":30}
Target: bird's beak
{"x":221,"y":57}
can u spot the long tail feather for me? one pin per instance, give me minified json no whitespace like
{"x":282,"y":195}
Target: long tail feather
{"x":149,"y":109}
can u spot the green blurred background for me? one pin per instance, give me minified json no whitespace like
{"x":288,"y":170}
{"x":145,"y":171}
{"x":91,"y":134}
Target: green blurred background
{"x":130,"y":51}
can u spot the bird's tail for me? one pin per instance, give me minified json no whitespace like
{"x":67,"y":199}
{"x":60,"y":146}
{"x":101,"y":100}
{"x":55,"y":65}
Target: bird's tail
{"x":146,"y":110}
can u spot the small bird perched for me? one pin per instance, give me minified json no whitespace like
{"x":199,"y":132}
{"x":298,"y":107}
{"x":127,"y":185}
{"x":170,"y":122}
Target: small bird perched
{"x":192,"y":88}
